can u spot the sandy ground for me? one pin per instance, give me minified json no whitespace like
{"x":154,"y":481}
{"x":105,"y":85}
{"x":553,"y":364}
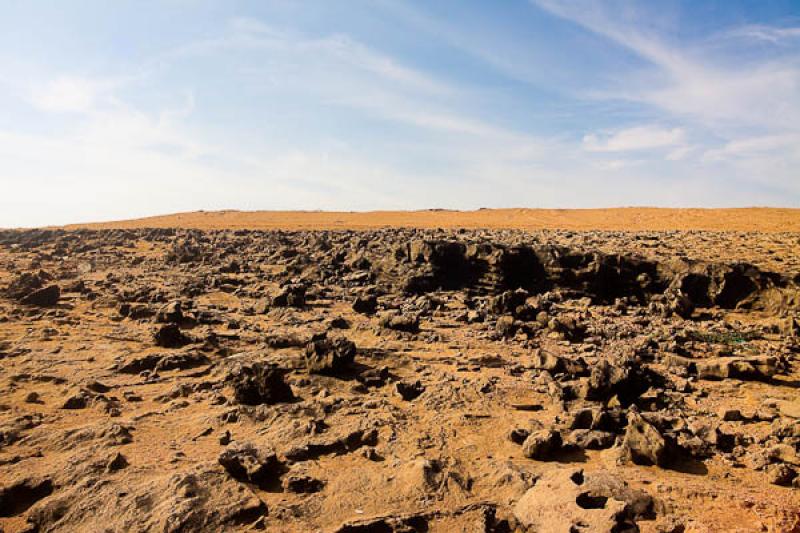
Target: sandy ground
{"x":616,"y":219}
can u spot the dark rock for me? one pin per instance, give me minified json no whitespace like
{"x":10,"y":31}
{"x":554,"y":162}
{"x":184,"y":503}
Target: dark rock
{"x":366,"y":305}
{"x":259,"y":383}
{"x":555,"y":364}
{"x":508,"y":302}
{"x":244,"y":462}
{"x":33,"y":397}
{"x":139,"y":364}
{"x":80,"y":400}
{"x":171,"y":313}
{"x":170,"y":336}
{"x":409,"y":390}
{"x":180,"y":361}
{"x":16,"y":497}
{"x":374,"y":377}
{"x":117,"y":462}
{"x":25,"y":284}
{"x":333,"y":355}
{"x":518,"y":435}
{"x":46,"y":297}
{"x":290,"y":295}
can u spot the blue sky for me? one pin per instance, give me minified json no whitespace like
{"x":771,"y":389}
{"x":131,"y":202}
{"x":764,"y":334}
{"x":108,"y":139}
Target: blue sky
{"x":121,"y":109}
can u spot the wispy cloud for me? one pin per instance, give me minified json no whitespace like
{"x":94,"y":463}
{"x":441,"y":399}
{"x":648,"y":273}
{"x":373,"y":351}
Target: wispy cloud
{"x":784,"y":145}
{"x":760,"y":32}
{"x":745,"y":94}
{"x":636,"y":138}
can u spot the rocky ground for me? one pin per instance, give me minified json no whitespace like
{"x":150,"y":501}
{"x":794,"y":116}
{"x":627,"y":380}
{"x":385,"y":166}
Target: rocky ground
{"x":399,"y":381}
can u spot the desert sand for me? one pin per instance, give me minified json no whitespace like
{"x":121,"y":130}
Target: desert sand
{"x":616,"y":219}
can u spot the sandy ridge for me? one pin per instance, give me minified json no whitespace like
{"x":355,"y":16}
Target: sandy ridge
{"x":759,"y":219}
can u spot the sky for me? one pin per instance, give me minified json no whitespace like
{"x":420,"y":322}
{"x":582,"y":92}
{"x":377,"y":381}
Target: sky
{"x":113,"y":110}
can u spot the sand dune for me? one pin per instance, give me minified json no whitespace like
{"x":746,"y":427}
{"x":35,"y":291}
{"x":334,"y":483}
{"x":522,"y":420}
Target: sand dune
{"x":614,"y":219}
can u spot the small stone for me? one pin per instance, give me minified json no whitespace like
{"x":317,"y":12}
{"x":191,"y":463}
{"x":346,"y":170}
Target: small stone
{"x":731,"y":415}
{"x":33,"y":397}
{"x":117,"y":462}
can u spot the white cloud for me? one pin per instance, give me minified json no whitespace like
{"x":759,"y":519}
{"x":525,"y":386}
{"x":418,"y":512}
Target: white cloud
{"x":759,"y":32}
{"x":636,"y":138}
{"x":67,"y":94}
{"x":788,"y":145}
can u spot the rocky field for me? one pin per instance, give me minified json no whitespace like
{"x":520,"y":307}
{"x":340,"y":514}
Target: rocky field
{"x":399,"y":381}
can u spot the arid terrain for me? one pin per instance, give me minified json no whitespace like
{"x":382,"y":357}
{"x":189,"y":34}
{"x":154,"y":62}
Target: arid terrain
{"x":490,"y":371}
{"x":617,"y":219}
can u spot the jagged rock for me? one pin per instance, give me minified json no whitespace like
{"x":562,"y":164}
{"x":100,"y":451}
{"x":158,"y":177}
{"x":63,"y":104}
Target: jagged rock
{"x":24,"y":284}
{"x":46,"y":297}
{"x":245,"y":462}
{"x":643,"y":444}
{"x":180,"y":361}
{"x":508,"y":302}
{"x":374,"y":377}
{"x":366,"y":305}
{"x":171,"y":313}
{"x":170,"y":336}
{"x":259,"y":383}
{"x":409,"y":390}
{"x":567,"y":328}
{"x":590,"y":439}
{"x":330,"y":355}
{"x":291,"y":295}
{"x":79,"y":400}
{"x":542,"y":445}
{"x":117,"y":462}
{"x":782,"y":474}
